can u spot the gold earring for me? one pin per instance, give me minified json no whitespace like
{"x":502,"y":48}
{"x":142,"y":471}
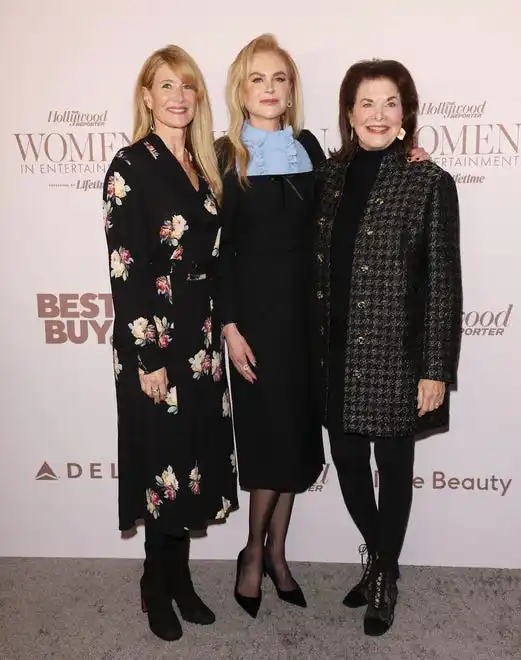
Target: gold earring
{"x":401,"y":133}
{"x":352,"y":133}
{"x":290,"y":103}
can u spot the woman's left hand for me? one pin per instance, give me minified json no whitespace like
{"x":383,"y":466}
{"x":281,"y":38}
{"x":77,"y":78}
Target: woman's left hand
{"x":417,"y":154}
{"x":431,"y":394}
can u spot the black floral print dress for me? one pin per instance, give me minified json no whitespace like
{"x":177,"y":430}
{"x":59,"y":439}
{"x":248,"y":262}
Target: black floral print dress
{"x":176,"y":459}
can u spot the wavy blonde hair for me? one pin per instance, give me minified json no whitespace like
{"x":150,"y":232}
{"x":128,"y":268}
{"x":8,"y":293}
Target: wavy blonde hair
{"x":237,"y":153}
{"x":199,"y":138}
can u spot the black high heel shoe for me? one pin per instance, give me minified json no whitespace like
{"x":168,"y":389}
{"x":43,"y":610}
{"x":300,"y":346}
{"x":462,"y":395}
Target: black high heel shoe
{"x":293,"y":596}
{"x":250,"y":604}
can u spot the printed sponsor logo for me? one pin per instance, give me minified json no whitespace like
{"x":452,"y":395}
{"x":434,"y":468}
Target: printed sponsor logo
{"x":75,"y":317}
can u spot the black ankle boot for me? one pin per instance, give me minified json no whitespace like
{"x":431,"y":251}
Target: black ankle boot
{"x":359,"y":594}
{"x":379,"y":615}
{"x":157,"y":602}
{"x":190,"y":605}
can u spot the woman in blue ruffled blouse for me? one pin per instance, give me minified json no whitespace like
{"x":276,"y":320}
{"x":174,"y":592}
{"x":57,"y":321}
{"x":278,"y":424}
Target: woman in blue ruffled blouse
{"x":264,"y":276}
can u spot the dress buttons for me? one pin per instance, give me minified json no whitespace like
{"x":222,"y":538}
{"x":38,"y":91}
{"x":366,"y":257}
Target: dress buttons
{"x":337,"y":193}
{"x":320,"y":257}
{"x":321,"y":362}
{"x":361,"y":304}
{"x":321,"y":220}
{"x":322,"y":330}
{"x":360,"y":340}
{"x":369,"y":232}
{"x":379,"y":200}
{"x":364,"y":268}
{"x":357,"y":373}
{"x":320,"y":295}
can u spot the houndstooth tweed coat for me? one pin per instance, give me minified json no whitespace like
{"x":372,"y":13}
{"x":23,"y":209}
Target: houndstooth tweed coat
{"x":404,"y":321}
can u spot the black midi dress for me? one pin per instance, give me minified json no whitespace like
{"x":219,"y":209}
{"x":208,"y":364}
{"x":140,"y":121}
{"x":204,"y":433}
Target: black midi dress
{"x":176,"y":459}
{"x":264,"y":276}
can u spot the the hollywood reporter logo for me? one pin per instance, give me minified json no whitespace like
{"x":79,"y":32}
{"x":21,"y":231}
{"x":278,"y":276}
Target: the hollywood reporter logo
{"x":76,"y":317}
{"x":487,"y":323}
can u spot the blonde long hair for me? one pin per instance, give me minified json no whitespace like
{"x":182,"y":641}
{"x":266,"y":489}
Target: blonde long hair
{"x":199,"y":140}
{"x":237,"y":76}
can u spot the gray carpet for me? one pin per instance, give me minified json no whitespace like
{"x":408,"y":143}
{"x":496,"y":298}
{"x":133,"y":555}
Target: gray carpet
{"x":88,"y":609}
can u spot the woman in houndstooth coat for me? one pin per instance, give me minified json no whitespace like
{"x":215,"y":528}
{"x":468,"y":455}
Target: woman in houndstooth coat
{"x":388,"y":304}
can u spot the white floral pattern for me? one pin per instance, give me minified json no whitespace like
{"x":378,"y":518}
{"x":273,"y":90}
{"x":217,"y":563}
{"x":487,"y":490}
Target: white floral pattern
{"x":169,"y":483}
{"x":120,"y":261}
{"x":217,"y":370}
{"x":118,"y":367}
{"x":225,"y":509}
{"x":227,"y":408}
{"x":164,"y":328}
{"x":201,"y":364}
{"x":172,"y":230}
{"x":117,"y":189}
{"x":209,"y":205}
{"x":153,"y":502}
{"x":171,"y":401}
{"x":143,"y":331}
{"x":195,"y":481}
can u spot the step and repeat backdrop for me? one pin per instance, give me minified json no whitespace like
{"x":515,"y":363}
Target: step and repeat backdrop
{"x":68,"y":71}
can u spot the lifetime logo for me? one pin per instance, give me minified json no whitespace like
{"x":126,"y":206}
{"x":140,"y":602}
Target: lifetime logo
{"x":77,"y":471}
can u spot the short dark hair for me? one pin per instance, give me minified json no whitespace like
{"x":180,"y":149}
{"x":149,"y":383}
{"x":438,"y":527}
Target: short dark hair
{"x":372,"y":70}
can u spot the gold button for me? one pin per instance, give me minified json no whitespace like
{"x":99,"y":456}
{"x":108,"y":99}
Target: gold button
{"x":379,"y":200}
{"x":320,"y":295}
{"x":320,"y":257}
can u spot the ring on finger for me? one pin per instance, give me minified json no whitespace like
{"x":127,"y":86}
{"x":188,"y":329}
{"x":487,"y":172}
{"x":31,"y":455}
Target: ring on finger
{"x":245,"y":367}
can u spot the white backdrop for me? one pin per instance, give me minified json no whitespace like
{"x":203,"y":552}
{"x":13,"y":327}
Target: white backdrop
{"x":68,"y":71}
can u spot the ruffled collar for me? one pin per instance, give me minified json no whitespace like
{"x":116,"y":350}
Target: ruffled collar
{"x":257,"y":136}
{"x":261,"y":143}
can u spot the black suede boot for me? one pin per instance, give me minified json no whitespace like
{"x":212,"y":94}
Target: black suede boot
{"x":180,"y":583}
{"x":359,"y":594}
{"x":156,"y":600}
{"x":379,"y":615}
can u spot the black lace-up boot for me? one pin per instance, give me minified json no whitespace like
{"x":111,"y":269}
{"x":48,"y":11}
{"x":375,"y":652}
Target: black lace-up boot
{"x":383,"y":595}
{"x":359,"y":594}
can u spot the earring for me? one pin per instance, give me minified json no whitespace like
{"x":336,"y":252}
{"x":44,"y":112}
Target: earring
{"x":401,"y":133}
{"x":352,"y":133}
{"x":290,"y":103}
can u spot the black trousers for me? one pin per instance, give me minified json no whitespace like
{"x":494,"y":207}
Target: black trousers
{"x":383,"y":525}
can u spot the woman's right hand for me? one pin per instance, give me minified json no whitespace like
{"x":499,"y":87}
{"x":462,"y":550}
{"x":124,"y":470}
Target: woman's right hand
{"x":154,"y":384}
{"x":240,"y":353}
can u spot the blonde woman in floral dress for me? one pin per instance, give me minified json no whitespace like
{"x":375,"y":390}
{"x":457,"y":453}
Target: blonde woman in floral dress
{"x":175,"y":441}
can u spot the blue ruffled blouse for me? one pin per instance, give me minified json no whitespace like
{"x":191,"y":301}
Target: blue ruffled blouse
{"x":274,"y":152}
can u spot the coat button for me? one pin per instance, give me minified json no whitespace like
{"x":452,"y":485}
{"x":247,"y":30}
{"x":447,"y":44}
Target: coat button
{"x":369,"y":232}
{"x":364,"y":268}
{"x":322,"y":330}
{"x":321,"y":362}
{"x":379,"y":200}
{"x":357,"y":373}
{"x":320,"y":295}
{"x":361,"y":340}
{"x":337,"y":193}
{"x":320,"y":257}
{"x":321,"y":220}
{"x":361,"y":304}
